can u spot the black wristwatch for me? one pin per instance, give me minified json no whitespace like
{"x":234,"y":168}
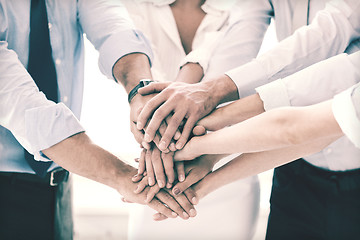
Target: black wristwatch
{"x":134,"y":91}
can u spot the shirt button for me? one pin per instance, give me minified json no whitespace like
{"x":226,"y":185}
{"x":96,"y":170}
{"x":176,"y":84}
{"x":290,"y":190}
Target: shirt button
{"x":57,"y":61}
{"x":50,"y":26}
{"x":65,"y":99}
{"x":329,"y":150}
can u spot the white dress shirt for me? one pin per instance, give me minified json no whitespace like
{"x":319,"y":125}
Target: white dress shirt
{"x":315,"y":84}
{"x":346,"y":109}
{"x":26,"y":116}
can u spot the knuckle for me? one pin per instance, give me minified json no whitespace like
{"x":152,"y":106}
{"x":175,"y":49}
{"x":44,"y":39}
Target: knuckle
{"x":159,"y":113}
{"x":176,"y":120}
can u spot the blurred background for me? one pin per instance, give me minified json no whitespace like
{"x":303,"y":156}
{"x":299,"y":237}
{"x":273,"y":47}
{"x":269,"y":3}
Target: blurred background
{"x":99,"y":212}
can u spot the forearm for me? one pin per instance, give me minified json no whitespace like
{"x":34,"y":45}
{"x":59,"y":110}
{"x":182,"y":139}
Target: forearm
{"x":129,"y":69}
{"x":254,"y":163}
{"x":233,"y":113}
{"x":78,"y":154}
{"x":271,"y":130}
{"x":190,"y":73}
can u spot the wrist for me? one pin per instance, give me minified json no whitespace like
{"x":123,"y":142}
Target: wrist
{"x":204,"y":187}
{"x":134,"y":91}
{"x":129,"y":69}
{"x":190,"y":73}
{"x":223,"y":89}
{"x":122,"y":177}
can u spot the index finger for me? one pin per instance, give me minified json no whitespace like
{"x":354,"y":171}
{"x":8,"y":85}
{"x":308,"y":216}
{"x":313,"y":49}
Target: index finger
{"x":148,"y":109}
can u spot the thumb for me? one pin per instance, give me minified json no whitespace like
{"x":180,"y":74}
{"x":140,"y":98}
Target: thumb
{"x":182,"y":186}
{"x":199,"y":130}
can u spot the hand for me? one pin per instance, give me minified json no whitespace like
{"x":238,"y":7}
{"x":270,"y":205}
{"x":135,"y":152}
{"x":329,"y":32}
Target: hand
{"x":195,"y":171}
{"x":215,"y":120}
{"x":196,"y":101}
{"x":190,"y":151}
{"x":153,"y":192}
{"x":194,"y":187}
{"x":136,"y":106}
{"x":164,"y":203}
{"x":155,"y":163}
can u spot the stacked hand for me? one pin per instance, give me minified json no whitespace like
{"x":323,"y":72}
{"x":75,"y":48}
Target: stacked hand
{"x":163,"y":116}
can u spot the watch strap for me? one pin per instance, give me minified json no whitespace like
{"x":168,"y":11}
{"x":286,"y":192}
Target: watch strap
{"x":134,"y":91}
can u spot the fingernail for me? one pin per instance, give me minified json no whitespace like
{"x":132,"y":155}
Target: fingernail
{"x":168,"y":185}
{"x":185,"y":215}
{"x":148,"y":199}
{"x":134,"y":177}
{"x":181,"y":178}
{"x":139,"y":125}
{"x":194,"y":200}
{"x":151,"y":181}
{"x":172,"y":147}
{"x":179,"y":145}
{"x":174,"y":214}
{"x":192,"y":212}
{"x":137,"y":188}
{"x":147,"y":137}
{"x":161,"y":183}
{"x":177,"y":135}
{"x":162,"y":145}
{"x":145,"y":145}
{"x":176,"y":191}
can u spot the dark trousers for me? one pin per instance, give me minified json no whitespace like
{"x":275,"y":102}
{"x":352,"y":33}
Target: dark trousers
{"x":311,"y":203}
{"x":31,"y":209}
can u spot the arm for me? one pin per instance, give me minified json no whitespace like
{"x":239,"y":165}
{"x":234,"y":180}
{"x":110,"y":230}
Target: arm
{"x":275,"y":129}
{"x":79,"y":155}
{"x":300,"y":89}
{"x":124,"y":53}
{"x":253,"y":163}
{"x":329,"y":34}
{"x":36,"y":122}
{"x":249,"y":164}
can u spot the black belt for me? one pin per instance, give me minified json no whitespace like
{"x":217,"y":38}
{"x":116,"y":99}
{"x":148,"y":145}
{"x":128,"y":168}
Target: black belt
{"x":52,"y":178}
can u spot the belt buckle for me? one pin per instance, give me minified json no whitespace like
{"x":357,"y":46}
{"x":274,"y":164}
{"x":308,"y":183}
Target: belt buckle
{"x":52,"y":177}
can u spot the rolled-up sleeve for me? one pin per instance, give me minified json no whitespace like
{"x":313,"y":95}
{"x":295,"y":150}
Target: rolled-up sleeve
{"x":36,"y":122}
{"x":109,"y":28}
{"x":346,"y":110}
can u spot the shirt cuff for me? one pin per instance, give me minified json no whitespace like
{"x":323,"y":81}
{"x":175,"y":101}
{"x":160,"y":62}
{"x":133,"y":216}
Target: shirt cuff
{"x":247,"y":77}
{"x":49,"y":125}
{"x":345,"y":114}
{"x":274,"y":95}
{"x":119,"y":45}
